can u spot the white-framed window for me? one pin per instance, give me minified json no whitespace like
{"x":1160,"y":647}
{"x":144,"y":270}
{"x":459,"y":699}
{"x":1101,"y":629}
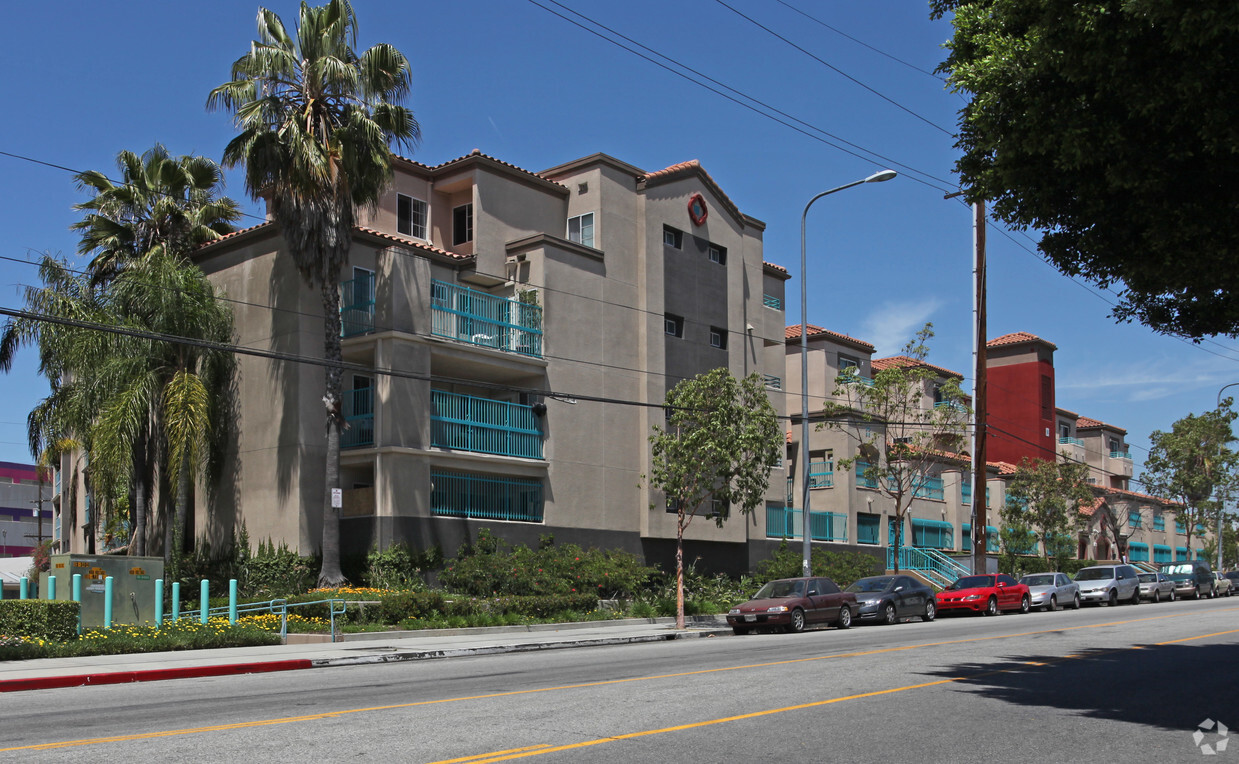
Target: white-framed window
{"x":718,"y":338}
{"x":581,"y":229}
{"x":462,"y":224}
{"x":673,"y":237}
{"x":846,"y":361}
{"x":717,"y":254}
{"x":410,"y":216}
{"x":673,"y":325}
{"x":1064,"y":430}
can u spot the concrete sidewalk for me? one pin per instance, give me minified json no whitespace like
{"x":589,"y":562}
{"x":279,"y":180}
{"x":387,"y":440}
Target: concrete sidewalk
{"x":353,"y":649}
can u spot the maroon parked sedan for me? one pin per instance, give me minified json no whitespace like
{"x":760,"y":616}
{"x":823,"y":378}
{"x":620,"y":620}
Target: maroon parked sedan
{"x":985,"y":594}
{"x":792,"y":603}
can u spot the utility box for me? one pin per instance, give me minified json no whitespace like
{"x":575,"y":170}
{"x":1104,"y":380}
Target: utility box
{"x":133,"y":585}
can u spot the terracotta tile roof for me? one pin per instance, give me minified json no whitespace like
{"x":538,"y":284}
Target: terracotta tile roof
{"x":691,"y":167}
{"x":234,"y":234}
{"x":789,"y":436}
{"x":776,"y":267}
{"x":414,"y":243}
{"x":1085,"y":423}
{"x":1140,"y":496}
{"x":1016,"y":338}
{"x":1069,"y":413}
{"x":793,"y":333}
{"x":1088,"y":509}
{"x":477,"y":153}
{"x":903,"y":361}
{"x":1004,"y":468}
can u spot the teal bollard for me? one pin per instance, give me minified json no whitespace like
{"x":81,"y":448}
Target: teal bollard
{"x":176,"y":600}
{"x":51,"y":587}
{"x":107,"y":602}
{"x":25,"y":589}
{"x":232,"y":601}
{"x":77,"y":597}
{"x":158,"y":602}
{"x":206,"y":591}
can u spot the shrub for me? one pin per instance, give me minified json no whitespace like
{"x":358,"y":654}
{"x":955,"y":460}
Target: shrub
{"x":42,"y":619}
{"x":840,"y":566}
{"x":276,"y":572}
{"x":397,"y":567}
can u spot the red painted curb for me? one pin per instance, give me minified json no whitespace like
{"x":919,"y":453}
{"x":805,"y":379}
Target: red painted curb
{"x":151,"y":675}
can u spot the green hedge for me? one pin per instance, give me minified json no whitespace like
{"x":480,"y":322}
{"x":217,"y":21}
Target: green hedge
{"x":43,"y":619}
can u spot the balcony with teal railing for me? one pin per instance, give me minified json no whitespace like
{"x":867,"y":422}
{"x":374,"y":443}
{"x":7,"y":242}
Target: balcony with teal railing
{"x":862,"y":479}
{"x":965,"y":494}
{"x":478,"y":318}
{"x":486,"y":497}
{"x":468,"y":423}
{"x":950,"y":406}
{"x":357,"y":306}
{"x":924,"y":487}
{"x":770,"y":301}
{"x":785,"y":522}
{"x":1121,"y":455}
{"x":1066,"y":441}
{"x":822,"y":474}
{"x":852,"y":379}
{"x":359,"y":418}
{"x":773,"y":382}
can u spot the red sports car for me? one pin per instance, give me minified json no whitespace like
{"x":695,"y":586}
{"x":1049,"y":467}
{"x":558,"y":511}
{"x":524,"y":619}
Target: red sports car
{"x":985,"y":594}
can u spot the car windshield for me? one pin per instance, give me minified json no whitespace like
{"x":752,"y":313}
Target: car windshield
{"x":1148,"y":578}
{"x":1037,"y":580}
{"x":870,"y":585}
{"x":972,"y":582}
{"x":1185,"y":568}
{"x":1095,"y":574}
{"x":779,"y":589}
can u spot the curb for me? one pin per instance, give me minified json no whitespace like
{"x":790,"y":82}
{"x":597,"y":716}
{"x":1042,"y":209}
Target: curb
{"x":396,"y":656}
{"x":151,"y":675}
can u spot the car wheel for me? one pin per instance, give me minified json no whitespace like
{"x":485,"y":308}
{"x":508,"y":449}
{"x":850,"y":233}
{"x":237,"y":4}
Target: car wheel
{"x":739,"y":631}
{"x":931,"y":611}
{"x":888,"y":614}
{"x":845,"y":618}
{"x":1053,"y":604}
{"x":1173,"y":596}
{"x":1157,"y":596}
{"x":1113,"y":599}
{"x":991,"y":607}
{"x":1135,"y":596}
{"x":796,"y":624}
{"x":1025,"y":604}
{"x":1075,"y":604}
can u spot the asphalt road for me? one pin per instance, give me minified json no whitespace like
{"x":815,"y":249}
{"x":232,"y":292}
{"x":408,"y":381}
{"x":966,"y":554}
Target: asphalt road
{"x":1130,"y":683}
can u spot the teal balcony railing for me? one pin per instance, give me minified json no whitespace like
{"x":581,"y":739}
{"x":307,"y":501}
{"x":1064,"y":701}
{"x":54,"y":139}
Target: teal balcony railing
{"x":1120,"y":455}
{"x":853,"y":379}
{"x":822,"y":474}
{"x":1159,"y":523}
{"x":1065,"y":441}
{"x":467,"y":423}
{"x":359,"y":415}
{"x":773,"y":382}
{"x":927,"y":487}
{"x":1179,"y":527}
{"x":770,"y":301}
{"x":486,"y":497}
{"x":791,"y":492}
{"x":950,"y":405}
{"x":467,"y":315}
{"x":56,"y":483}
{"x":785,"y":522}
{"x":357,"y":306}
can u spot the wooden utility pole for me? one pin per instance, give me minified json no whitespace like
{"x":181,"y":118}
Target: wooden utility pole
{"x":979,"y":536}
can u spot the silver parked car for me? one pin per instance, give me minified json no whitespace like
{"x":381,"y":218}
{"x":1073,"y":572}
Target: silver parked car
{"x":1222,"y":586}
{"x":1156,"y":586}
{"x":1052,"y":591}
{"x":1109,"y":584}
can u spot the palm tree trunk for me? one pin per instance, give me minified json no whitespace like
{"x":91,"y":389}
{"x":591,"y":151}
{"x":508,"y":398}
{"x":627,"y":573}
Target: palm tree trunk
{"x":679,"y":570}
{"x":137,"y":534}
{"x":330,"y":573}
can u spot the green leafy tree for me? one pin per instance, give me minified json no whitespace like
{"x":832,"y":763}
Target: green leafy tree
{"x":1194,"y":465}
{"x":316,"y":123}
{"x":720,"y":441}
{"x":909,"y":420}
{"x":1110,"y":126}
{"x":1043,"y":504}
{"x":1230,"y":545}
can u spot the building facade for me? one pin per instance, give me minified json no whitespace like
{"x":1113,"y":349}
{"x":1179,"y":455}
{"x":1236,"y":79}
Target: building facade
{"x":26,"y":516}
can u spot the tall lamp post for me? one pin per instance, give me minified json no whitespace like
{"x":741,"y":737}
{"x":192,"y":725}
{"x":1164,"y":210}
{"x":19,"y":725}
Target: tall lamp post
{"x":804,"y":364}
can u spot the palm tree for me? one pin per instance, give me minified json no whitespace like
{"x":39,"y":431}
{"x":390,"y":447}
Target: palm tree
{"x":316,"y":123}
{"x":163,"y":205}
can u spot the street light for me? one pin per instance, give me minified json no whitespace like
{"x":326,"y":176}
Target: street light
{"x":1219,"y":393}
{"x":877,"y":177}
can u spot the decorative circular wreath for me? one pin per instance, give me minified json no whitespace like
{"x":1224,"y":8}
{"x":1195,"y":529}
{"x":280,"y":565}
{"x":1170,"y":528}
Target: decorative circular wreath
{"x":697,"y":209}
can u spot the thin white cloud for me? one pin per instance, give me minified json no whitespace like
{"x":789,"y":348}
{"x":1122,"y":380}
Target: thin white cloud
{"x":891,"y":326}
{"x":1144,"y":380}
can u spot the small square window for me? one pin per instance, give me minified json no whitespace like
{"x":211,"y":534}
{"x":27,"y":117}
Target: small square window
{"x":718,"y":338}
{"x":717,"y":254}
{"x":581,"y":229}
{"x":673,"y":237}
{"x":410,"y":216}
{"x":846,"y":362}
{"x":462,"y":224}
{"x":673,"y":325}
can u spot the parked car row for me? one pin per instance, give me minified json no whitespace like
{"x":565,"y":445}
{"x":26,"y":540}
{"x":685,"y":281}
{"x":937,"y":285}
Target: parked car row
{"x":791,"y":604}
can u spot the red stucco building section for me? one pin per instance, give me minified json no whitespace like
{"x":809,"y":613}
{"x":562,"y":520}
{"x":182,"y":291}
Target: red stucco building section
{"x":1020,"y":392}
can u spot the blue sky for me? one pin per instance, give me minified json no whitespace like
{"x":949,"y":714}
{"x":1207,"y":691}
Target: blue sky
{"x":512,"y":79}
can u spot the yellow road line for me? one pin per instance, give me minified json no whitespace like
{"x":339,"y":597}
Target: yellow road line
{"x":603,"y":683}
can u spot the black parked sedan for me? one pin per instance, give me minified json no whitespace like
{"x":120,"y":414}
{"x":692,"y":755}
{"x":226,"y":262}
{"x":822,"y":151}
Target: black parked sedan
{"x":886,"y":599}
